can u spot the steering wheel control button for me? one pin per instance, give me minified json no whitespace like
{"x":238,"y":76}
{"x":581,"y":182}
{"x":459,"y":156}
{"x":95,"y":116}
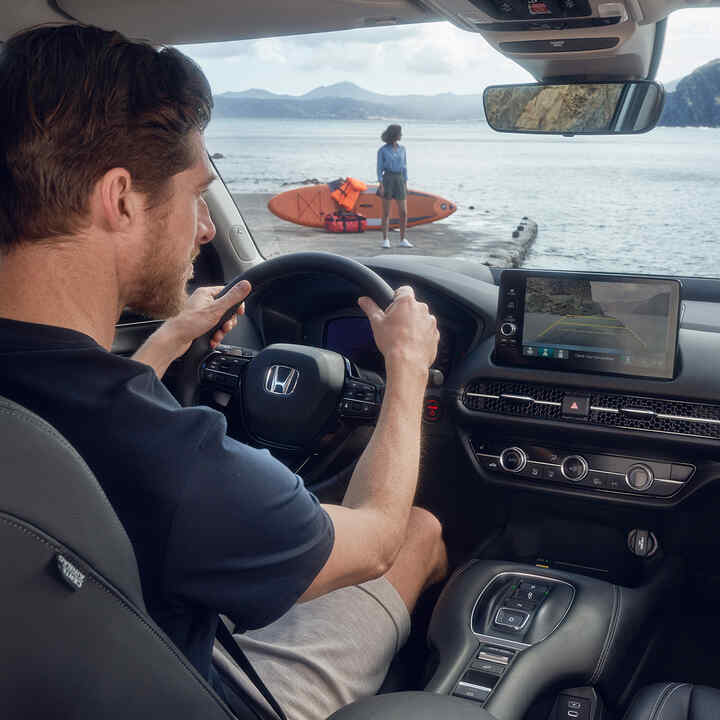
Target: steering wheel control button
{"x":511,"y":620}
{"x":576,"y":407}
{"x":508,"y":330}
{"x":513,"y":460}
{"x":431,"y":411}
{"x":224,"y":380}
{"x":639,"y":477}
{"x":574,"y":468}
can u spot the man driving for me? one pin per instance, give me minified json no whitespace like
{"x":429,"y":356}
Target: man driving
{"x":103,"y":171}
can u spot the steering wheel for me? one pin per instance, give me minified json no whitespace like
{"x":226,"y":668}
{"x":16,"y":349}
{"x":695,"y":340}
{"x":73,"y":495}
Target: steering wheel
{"x":289,"y":394}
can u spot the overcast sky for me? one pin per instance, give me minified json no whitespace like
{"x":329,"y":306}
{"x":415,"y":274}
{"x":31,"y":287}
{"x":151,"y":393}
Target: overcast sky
{"x":428,"y":59}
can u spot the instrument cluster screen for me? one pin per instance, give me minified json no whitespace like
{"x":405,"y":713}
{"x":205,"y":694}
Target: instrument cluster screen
{"x":353,"y":338}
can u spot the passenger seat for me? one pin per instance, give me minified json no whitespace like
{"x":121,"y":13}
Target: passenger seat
{"x":675,"y":701}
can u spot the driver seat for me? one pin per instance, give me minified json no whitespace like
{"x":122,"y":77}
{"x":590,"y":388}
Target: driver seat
{"x":76,"y":638}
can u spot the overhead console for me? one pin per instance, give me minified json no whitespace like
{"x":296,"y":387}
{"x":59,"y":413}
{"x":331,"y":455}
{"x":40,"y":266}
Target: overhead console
{"x":534,"y":9}
{"x":594,"y":39}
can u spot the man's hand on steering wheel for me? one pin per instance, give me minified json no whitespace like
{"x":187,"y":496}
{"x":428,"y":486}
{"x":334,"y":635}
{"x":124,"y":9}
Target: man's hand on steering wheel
{"x":202,"y":312}
{"x":405,"y":333}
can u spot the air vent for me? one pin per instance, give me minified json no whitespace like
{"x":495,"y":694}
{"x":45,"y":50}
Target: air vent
{"x":629,"y":412}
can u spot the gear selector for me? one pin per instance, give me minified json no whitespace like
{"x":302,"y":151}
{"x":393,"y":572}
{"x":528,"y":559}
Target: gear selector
{"x":521,"y":607}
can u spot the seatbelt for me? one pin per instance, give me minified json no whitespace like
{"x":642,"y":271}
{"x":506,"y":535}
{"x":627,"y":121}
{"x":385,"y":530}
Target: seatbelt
{"x":226,"y":639}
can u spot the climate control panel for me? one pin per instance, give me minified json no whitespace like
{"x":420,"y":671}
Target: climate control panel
{"x":597,"y":471}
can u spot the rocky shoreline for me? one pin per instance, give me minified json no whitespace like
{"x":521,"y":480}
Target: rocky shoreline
{"x":492,"y":244}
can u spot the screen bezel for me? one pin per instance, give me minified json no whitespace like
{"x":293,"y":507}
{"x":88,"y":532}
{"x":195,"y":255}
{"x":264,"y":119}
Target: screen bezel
{"x":512,"y":354}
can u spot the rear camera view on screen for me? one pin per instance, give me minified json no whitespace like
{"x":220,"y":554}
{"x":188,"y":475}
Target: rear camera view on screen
{"x":618,"y":326}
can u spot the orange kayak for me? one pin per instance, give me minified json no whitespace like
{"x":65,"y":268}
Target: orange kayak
{"x":310,"y":204}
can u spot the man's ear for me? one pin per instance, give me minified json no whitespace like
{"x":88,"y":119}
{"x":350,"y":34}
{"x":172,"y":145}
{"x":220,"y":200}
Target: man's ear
{"x":114,"y":204}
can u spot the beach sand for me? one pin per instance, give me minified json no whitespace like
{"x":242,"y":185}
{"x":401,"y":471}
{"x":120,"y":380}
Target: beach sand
{"x":441,"y":239}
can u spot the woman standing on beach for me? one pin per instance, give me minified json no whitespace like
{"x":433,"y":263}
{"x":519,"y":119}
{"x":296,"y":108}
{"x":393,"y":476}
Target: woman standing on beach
{"x":392,"y":181}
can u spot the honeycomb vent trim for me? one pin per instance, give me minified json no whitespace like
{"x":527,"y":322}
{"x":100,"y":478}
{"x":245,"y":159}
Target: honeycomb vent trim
{"x":628,"y":412}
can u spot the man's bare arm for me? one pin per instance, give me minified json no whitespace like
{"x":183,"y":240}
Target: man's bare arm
{"x":370,"y":525}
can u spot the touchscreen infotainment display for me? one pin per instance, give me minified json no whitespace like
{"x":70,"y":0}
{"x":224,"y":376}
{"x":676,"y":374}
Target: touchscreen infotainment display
{"x":592,"y":323}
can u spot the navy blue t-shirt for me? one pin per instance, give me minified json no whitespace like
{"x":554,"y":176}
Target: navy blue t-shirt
{"x":217,"y":526}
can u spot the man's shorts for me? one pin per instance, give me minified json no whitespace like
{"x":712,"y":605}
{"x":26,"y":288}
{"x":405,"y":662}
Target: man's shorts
{"x":325,"y":653}
{"x":394,"y":185}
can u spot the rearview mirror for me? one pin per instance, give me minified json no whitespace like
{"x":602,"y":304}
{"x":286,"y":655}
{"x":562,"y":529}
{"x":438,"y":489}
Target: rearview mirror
{"x":604,"y":108}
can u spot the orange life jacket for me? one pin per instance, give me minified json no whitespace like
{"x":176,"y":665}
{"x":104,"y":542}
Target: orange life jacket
{"x":347,"y":194}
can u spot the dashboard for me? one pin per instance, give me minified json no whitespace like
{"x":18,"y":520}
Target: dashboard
{"x":644,"y":435}
{"x":324,"y":313}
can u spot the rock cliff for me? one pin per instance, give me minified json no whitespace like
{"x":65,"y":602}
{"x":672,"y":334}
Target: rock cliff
{"x":696,"y":100}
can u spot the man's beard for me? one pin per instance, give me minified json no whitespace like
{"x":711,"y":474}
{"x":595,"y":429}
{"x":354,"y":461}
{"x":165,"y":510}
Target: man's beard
{"x":162,"y":290}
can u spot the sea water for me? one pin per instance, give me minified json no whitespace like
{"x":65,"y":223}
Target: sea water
{"x":647,"y":203}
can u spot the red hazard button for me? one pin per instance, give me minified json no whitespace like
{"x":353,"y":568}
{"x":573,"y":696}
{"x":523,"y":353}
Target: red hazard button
{"x":431,"y":413}
{"x":576,"y":406}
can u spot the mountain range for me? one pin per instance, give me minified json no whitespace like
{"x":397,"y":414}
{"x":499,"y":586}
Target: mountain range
{"x":347,"y":100}
{"x":693,"y":100}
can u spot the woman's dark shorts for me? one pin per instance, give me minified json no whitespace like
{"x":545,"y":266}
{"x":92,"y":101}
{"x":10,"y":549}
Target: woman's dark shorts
{"x":394,"y":185}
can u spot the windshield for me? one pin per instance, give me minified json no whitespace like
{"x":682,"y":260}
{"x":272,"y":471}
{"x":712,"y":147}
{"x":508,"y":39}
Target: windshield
{"x":301,"y":119}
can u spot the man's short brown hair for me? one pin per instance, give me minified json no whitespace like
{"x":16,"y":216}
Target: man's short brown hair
{"x":77,"y":101}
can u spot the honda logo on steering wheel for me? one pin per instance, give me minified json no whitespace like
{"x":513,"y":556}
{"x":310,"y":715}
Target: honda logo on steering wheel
{"x":281,"y":380}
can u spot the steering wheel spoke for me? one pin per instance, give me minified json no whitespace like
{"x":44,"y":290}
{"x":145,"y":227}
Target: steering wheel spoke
{"x":223,"y":368}
{"x":360,"y":399}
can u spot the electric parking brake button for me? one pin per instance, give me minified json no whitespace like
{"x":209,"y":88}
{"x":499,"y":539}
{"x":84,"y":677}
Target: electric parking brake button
{"x":511,"y":620}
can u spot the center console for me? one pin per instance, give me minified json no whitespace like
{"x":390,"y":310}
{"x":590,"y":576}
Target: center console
{"x":514,"y":611}
{"x":506,"y":633}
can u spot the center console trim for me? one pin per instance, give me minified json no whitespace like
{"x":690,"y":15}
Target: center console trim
{"x":515,"y":644}
{"x":626,"y":492}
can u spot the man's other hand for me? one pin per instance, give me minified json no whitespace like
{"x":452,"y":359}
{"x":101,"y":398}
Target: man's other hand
{"x":406,"y":333}
{"x":202,"y":312}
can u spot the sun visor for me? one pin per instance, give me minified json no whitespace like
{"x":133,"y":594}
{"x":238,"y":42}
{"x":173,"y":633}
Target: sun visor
{"x":179,"y":21}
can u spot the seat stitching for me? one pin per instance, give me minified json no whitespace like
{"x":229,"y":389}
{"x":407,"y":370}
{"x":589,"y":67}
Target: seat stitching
{"x":18,"y":412}
{"x":606,"y":644}
{"x":661,"y":696}
{"x":615,"y":629}
{"x":667,"y":697}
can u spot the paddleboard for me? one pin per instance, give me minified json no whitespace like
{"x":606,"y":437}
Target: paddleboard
{"x":308,"y":206}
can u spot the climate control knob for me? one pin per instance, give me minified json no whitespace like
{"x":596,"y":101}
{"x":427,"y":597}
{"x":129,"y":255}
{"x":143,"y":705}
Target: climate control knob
{"x":574,"y":468}
{"x":513,"y":459}
{"x":508,"y":329}
{"x":639,"y":477}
